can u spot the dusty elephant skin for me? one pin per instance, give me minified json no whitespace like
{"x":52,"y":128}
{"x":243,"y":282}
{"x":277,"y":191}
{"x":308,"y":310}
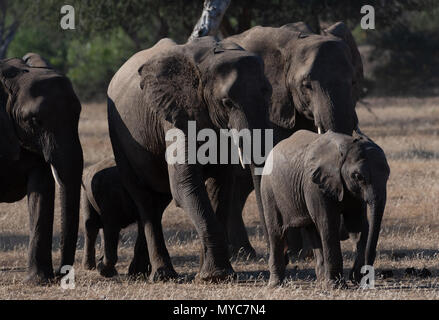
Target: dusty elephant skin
{"x":316,"y":81}
{"x":107,"y":205}
{"x":217,"y":84}
{"x":316,"y":180}
{"x":39,"y":112}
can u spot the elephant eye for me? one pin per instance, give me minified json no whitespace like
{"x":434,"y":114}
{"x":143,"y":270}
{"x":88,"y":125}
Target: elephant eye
{"x":359,"y":177}
{"x":227,"y":103}
{"x":35,"y":122}
{"x":307,"y":84}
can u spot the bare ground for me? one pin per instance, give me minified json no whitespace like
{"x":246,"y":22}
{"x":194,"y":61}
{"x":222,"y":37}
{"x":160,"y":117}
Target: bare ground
{"x":406,"y":128}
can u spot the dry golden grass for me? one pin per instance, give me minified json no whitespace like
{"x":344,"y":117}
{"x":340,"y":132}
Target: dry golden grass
{"x":407,"y":129}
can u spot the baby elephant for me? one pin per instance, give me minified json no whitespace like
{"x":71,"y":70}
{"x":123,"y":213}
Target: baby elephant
{"x":107,"y":205}
{"x":316,"y":182}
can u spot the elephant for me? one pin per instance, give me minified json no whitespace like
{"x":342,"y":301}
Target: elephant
{"x":107,"y":205}
{"x":316,"y":180}
{"x":215,"y":84}
{"x":39,"y":111}
{"x":316,"y":82}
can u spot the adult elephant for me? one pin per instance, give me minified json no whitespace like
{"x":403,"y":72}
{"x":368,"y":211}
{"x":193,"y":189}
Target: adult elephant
{"x":216,"y":84}
{"x":39,"y":112}
{"x":316,"y":82}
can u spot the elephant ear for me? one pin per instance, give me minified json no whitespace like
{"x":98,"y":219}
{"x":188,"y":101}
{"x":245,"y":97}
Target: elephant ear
{"x":9,"y":143}
{"x":340,"y":30}
{"x":324,"y":161}
{"x":172,"y":88}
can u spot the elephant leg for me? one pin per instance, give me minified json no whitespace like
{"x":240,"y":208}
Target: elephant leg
{"x":276,"y":240}
{"x":106,"y":266}
{"x":140,"y":265}
{"x":239,"y":242}
{"x":189,"y":192}
{"x":151,"y":211}
{"x":91,"y":228}
{"x":355,"y":224}
{"x":312,"y":236}
{"x":276,"y":260}
{"x":222,"y":193}
{"x":40,"y":195}
{"x":360,"y":240}
{"x":333,"y":260}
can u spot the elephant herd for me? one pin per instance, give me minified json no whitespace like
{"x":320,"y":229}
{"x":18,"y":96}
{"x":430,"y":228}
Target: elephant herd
{"x":302,"y":86}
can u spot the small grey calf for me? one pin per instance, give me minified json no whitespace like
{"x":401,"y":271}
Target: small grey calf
{"x":107,"y":205}
{"x":316,"y":182}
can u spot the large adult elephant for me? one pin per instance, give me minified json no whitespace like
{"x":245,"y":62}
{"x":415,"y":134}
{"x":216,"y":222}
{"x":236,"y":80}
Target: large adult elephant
{"x":316,"y":82}
{"x":39,"y":114}
{"x":216,"y":84}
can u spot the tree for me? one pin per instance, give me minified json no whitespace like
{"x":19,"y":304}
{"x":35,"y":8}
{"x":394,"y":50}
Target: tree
{"x":10,"y":19}
{"x":210,"y":19}
{"x":16,"y":14}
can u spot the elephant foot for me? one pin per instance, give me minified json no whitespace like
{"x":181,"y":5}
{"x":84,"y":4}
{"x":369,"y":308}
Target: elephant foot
{"x":217,"y":275}
{"x":39,"y":278}
{"x":274,"y":281}
{"x":355,"y":276}
{"x":106,"y":271}
{"x":89,"y":265}
{"x":163,"y":274}
{"x":242,"y":254}
{"x":137,"y":269}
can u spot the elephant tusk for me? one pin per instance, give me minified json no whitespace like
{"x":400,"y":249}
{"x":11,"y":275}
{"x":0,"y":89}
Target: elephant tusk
{"x":240,"y":158}
{"x":319,"y":130}
{"x":55,"y":175}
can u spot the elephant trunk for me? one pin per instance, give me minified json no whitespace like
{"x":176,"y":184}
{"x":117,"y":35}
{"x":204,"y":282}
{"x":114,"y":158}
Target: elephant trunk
{"x":334,"y":110}
{"x":66,"y":162}
{"x":376,"y":205}
{"x":260,"y":144}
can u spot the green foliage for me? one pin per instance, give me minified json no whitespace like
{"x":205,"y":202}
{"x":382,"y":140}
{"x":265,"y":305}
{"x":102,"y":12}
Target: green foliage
{"x":92,"y":64}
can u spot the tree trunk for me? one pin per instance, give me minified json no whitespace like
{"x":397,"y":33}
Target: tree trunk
{"x":210,"y":19}
{"x":6,"y":39}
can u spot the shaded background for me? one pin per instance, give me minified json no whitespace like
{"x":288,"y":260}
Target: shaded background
{"x":401,"y":55}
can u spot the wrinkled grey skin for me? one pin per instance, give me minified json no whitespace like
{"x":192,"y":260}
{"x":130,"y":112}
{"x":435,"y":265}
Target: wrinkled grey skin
{"x":39,"y":114}
{"x":316,"y":180}
{"x":316,"y":81}
{"x":107,"y":205}
{"x":216,"y":84}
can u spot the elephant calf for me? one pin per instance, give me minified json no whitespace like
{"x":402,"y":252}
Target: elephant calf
{"x":107,"y":205}
{"x":315,"y":182}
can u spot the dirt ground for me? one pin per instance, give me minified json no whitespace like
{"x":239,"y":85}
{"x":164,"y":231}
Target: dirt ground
{"x":406,"y":128}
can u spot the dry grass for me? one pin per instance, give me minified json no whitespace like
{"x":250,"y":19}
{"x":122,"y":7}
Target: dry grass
{"x":407,"y":129}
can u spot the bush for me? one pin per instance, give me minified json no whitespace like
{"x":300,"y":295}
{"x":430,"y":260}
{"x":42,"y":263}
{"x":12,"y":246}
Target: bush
{"x":92,"y":64}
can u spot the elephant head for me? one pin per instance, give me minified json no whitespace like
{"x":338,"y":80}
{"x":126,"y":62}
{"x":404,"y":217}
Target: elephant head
{"x":40,"y":112}
{"x":218,"y":84}
{"x":341,"y":164}
{"x":321,"y":82}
